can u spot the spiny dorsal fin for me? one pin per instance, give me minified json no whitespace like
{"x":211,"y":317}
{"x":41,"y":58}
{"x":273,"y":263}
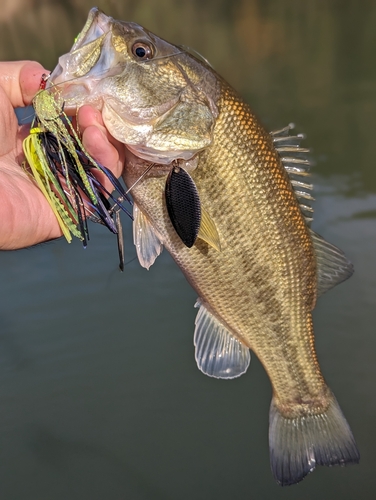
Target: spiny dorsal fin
{"x":147,"y":243}
{"x":218,"y":353}
{"x":208,"y":231}
{"x":296,"y":163}
{"x":333,"y":266}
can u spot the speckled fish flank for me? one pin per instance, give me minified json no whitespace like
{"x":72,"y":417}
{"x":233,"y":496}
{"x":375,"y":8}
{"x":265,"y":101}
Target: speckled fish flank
{"x":256,"y":265}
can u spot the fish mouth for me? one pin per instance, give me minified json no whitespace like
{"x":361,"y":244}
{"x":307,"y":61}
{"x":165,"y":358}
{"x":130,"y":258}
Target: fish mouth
{"x":96,"y":25}
{"x":90,"y":59}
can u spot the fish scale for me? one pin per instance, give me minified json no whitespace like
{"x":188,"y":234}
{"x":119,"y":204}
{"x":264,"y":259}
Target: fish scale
{"x":228,"y":281}
{"x":256,"y":265}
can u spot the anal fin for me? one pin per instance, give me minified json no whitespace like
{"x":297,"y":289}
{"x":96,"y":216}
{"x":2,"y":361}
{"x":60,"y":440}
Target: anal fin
{"x":218,"y":353}
{"x":147,"y":243}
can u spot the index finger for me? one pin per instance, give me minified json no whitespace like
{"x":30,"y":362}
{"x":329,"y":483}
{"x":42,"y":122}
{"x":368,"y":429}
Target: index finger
{"x":20,"y":80}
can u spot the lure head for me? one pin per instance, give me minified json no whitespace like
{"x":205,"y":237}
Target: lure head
{"x":156,"y":98}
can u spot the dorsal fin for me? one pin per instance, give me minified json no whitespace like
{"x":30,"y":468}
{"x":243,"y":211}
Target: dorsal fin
{"x":297,"y":164}
{"x":147,"y":243}
{"x":218,"y":353}
{"x":333,"y":266}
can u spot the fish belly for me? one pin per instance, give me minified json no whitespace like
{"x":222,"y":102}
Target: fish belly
{"x":262,"y":285}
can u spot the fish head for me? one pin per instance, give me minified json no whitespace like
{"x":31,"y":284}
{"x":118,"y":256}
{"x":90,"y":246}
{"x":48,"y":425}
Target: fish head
{"x":155,"y":97}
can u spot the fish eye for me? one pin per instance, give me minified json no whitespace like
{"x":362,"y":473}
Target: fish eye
{"x":142,"y":50}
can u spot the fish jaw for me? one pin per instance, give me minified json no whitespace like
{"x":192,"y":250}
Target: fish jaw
{"x":163,"y":107}
{"x":79,"y":72}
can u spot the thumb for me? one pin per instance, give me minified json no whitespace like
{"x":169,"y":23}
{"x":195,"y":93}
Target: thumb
{"x":20,"y":81}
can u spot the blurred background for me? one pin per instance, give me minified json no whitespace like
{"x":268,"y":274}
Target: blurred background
{"x":100,"y":397}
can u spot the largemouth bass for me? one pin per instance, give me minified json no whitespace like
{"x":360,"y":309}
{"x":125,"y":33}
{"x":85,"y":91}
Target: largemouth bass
{"x":254,"y":262}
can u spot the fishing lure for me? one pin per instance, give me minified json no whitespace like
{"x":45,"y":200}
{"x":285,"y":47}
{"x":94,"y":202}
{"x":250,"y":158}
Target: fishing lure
{"x":65,"y":172}
{"x":183,"y":205}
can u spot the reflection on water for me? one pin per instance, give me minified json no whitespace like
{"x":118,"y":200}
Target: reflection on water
{"x":100,"y":396}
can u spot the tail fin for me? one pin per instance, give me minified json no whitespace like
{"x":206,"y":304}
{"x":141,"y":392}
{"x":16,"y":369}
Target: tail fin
{"x":297,"y":445}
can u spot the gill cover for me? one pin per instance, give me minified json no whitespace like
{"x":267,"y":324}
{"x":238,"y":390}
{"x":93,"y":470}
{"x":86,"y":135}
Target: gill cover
{"x":162,"y":106}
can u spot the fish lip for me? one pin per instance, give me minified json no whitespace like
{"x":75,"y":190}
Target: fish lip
{"x":97,"y":25}
{"x":73,"y":87}
{"x":95,"y":17}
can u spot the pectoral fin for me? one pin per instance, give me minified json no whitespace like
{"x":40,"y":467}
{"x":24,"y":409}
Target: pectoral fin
{"x":208,"y":231}
{"x":147,"y":243}
{"x":333,"y":266}
{"x":218,"y":353}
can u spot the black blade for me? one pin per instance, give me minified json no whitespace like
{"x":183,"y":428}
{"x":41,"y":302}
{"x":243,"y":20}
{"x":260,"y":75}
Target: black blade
{"x":183,"y":205}
{"x":120,"y":240}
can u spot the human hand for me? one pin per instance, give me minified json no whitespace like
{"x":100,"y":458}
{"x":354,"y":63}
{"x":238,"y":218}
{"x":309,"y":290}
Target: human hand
{"x":26,"y":217}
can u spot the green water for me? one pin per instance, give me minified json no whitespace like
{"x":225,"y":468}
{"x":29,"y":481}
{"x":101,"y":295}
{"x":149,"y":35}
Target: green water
{"x":100,"y":398}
